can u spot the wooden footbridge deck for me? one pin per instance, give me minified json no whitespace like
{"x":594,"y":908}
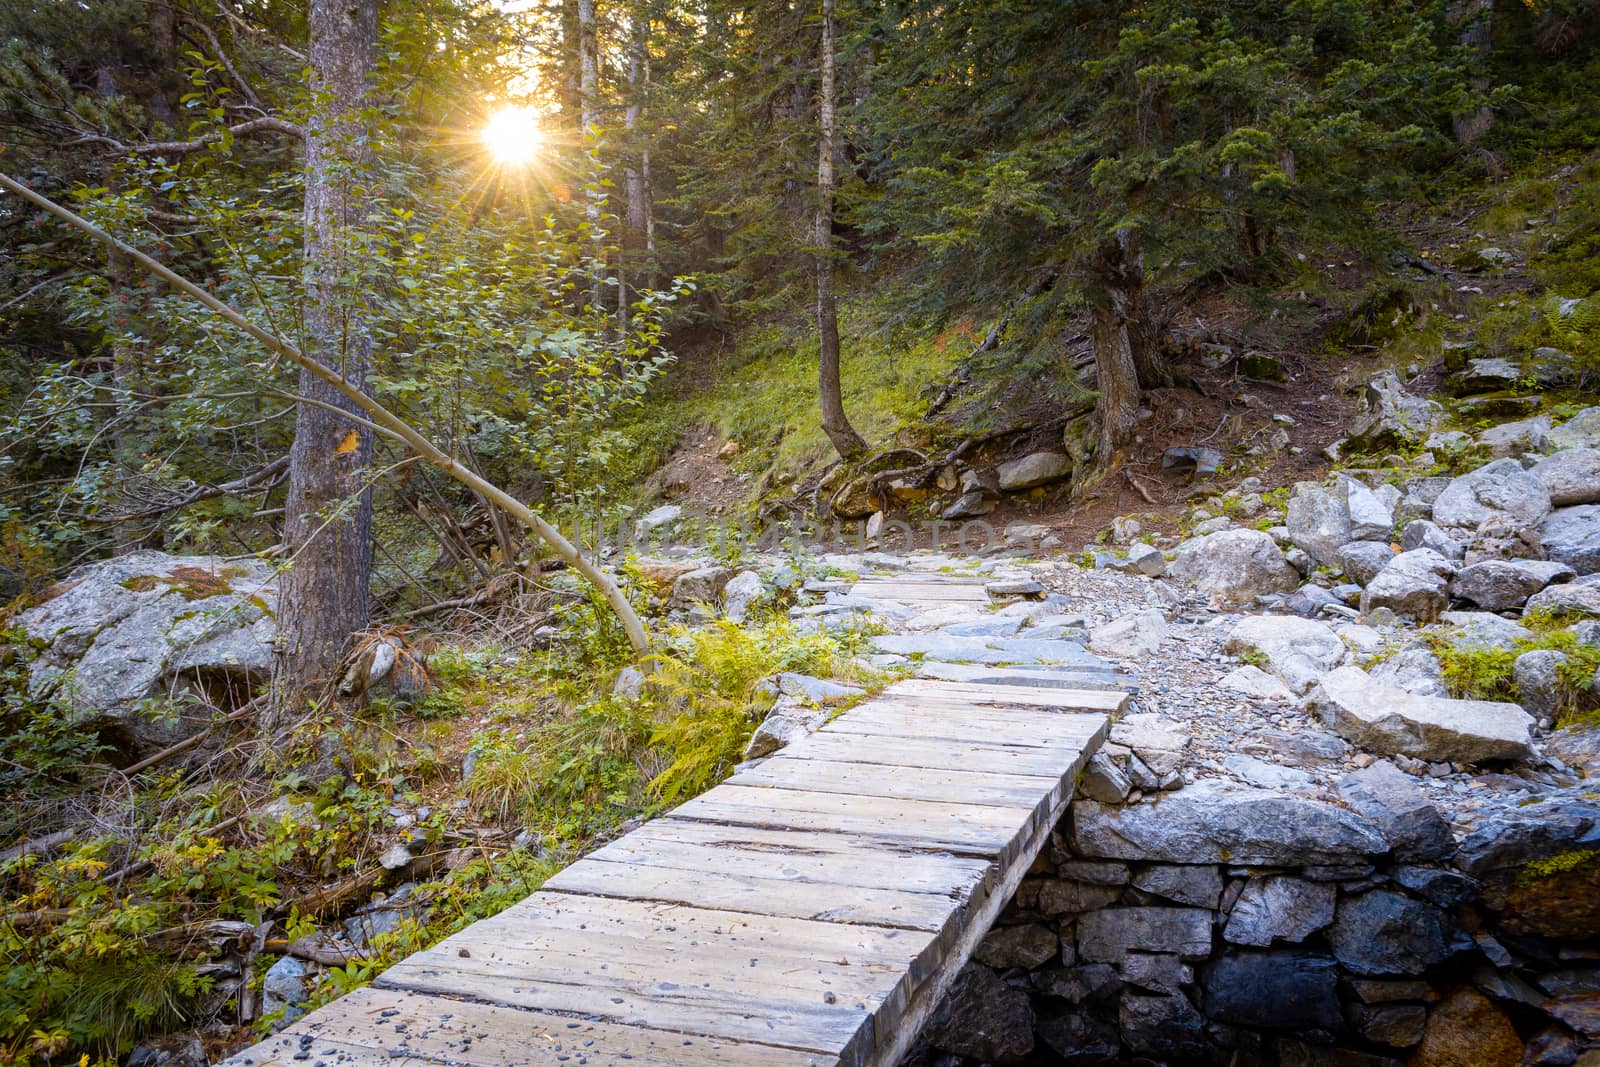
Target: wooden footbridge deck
{"x":810,"y":910}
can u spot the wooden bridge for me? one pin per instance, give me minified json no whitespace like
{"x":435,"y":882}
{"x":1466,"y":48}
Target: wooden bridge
{"x":810,"y":910}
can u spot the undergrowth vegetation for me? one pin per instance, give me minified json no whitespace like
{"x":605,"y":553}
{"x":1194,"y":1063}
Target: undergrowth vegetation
{"x":189,"y":880}
{"x":1480,"y":672}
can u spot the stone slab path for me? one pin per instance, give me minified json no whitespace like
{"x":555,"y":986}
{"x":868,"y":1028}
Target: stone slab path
{"x":812,"y":909}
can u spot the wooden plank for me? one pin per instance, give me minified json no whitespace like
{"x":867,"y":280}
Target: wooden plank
{"x":832,"y":1029}
{"x":1101,"y":700}
{"x":427,"y":1029}
{"x":1017,"y":727}
{"x":729,"y":891}
{"x":906,"y":783}
{"x":919,"y":752}
{"x":794,"y":855}
{"x":969,"y":828}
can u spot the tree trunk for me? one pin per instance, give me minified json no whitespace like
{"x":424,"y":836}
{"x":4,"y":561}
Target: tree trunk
{"x":835,"y":423}
{"x":589,"y":98}
{"x":1477,"y":39}
{"x":641,"y":227}
{"x":1125,"y":348}
{"x":328,"y":518}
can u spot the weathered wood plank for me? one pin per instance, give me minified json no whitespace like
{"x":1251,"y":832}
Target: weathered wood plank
{"x":968,"y":828}
{"x":1014,"y":726}
{"x":793,"y":855}
{"x":432,"y":1030}
{"x":815,"y":900}
{"x":1101,"y":700}
{"x":919,"y":752}
{"x":906,"y":783}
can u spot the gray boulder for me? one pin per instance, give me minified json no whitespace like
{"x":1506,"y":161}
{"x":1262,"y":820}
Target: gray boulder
{"x":1319,"y":520}
{"x":788,"y":721}
{"x":1370,"y":518}
{"x":1039,"y":468}
{"x":1392,"y":722}
{"x":742,"y":592}
{"x":1279,"y":908}
{"x":703,"y":585}
{"x":1300,"y":651}
{"x":1104,"y":781}
{"x":1572,"y":476}
{"x":1146,"y":560}
{"x":1575,"y":598}
{"x":1211,"y":823}
{"x":285,"y":987}
{"x":1413,"y":584}
{"x":1538,"y":680}
{"x":1481,"y":630}
{"x":1392,"y":417}
{"x":1572,"y":536}
{"x":1199,"y":886}
{"x":1499,"y":489}
{"x":1132,"y":636}
{"x":1424,"y":533}
{"x":1515,"y":438}
{"x":1505,"y":584}
{"x":1385,"y":932}
{"x":1362,"y":560}
{"x":1107,"y":936}
{"x":1539,"y":864}
{"x":1234,"y":566}
{"x":1388,"y":796}
{"x":1416,"y":670}
{"x":1580,"y":431}
{"x":148,"y":624}
{"x":660,"y":518}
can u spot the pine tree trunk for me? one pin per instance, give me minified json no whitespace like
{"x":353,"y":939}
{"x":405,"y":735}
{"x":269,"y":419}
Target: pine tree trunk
{"x":589,"y":97}
{"x":328,"y":517}
{"x":1477,"y":40}
{"x":641,"y":231}
{"x":1125,"y":346}
{"x":835,"y":423}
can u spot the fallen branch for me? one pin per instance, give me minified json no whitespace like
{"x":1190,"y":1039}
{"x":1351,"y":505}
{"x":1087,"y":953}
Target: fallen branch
{"x":267,"y":124}
{"x":383,"y":421}
{"x":38,"y":846}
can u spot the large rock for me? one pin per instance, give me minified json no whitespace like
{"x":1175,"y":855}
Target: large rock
{"x":1026,"y":946}
{"x":1393,"y":722}
{"x":1505,"y":584}
{"x":1385,"y":932}
{"x":1273,"y":990}
{"x":1413,"y":584}
{"x":286,"y":987}
{"x":1580,"y":431}
{"x":1319,"y":520}
{"x":1572,"y":536}
{"x":1197,"y":885}
{"x":1466,"y":1029}
{"x":1572,"y":476}
{"x":703,"y":585}
{"x":1039,"y":468}
{"x":1108,"y":935}
{"x":1391,"y":799}
{"x":983,"y":1018}
{"x":1371,"y":519}
{"x":1393,"y":417}
{"x":1515,"y":438}
{"x":1162,"y":1026}
{"x":788,"y":721}
{"x":1278,"y":907}
{"x":1540,"y":866}
{"x":1499,"y":489}
{"x":1581,"y":599}
{"x":1481,"y":630}
{"x":1537,"y":676}
{"x":1416,"y":670}
{"x":1235,"y":566}
{"x":1424,"y":533}
{"x":1132,"y":636}
{"x":742,"y":592}
{"x":1300,"y":651}
{"x":150,"y":625}
{"x":1210,"y":823}
{"x":1363,"y":561}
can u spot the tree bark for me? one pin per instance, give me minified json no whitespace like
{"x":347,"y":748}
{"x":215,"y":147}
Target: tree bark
{"x":589,"y":101}
{"x":641,"y":226}
{"x":835,"y":423}
{"x":327,"y":526}
{"x":1477,"y":38}
{"x":1119,"y":329}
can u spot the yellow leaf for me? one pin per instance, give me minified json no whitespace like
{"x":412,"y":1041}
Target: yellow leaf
{"x":351,"y":442}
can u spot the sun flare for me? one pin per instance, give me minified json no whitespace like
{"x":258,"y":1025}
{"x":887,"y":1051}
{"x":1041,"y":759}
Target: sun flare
{"x":513,"y":135}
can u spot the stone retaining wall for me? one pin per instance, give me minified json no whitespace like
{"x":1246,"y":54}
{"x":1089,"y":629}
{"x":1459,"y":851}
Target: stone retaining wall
{"x":1244,"y":926}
